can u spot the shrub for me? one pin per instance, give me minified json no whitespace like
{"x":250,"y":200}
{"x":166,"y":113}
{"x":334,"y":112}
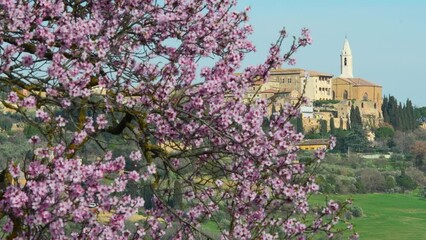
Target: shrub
{"x":356,"y":211}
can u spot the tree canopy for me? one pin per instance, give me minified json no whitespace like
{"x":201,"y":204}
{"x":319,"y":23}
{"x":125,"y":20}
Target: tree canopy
{"x":194,"y":151}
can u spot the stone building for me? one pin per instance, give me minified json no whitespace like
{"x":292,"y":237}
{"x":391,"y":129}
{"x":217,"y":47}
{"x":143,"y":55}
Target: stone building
{"x":357,"y":91}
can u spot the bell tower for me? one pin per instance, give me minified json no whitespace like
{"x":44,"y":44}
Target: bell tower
{"x":346,"y":61}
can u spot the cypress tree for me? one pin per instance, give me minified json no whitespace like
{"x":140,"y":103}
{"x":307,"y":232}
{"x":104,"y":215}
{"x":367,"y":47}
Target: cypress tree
{"x":299,"y":125}
{"x":323,"y":127}
{"x":332,"y":127}
{"x":358,"y":117}
{"x":385,"y":110}
{"x":410,"y":114}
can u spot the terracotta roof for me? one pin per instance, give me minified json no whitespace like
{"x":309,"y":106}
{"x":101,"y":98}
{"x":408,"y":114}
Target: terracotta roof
{"x":270,"y":91}
{"x":358,"y":82}
{"x":299,"y":71}
{"x":317,"y":74}
{"x":258,"y":82}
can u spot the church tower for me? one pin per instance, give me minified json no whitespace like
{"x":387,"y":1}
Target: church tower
{"x":346,"y":61}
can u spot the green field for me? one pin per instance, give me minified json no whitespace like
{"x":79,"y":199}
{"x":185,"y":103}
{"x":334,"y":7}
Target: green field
{"x":388,"y":216}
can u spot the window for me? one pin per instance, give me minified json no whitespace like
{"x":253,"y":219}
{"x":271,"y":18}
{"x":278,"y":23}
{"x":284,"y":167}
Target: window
{"x":365,"y":97}
{"x":346,"y":63}
{"x":362,"y":105}
{"x":289,"y":80}
{"x":375,"y":105}
{"x":345,"y":94}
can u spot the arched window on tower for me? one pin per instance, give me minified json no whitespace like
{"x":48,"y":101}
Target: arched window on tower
{"x":345,"y":94}
{"x":365,"y":97}
{"x":346,"y":63}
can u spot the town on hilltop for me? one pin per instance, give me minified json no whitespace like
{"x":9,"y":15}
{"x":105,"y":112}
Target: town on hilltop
{"x":331,"y":98}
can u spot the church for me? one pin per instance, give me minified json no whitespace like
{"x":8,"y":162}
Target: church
{"x":357,"y":91}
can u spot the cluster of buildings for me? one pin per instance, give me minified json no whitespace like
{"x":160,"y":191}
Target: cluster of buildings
{"x":331,"y":97}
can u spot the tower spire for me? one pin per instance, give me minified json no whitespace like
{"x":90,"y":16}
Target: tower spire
{"x":346,"y":60}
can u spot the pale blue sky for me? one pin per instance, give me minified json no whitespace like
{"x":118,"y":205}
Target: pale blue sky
{"x":387,"y":38}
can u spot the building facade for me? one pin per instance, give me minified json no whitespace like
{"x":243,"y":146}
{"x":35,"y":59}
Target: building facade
{"x":357,"y":91}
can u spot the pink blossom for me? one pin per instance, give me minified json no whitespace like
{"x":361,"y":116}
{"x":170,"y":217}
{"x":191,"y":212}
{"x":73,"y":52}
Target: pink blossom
{"x":152,"y":169}
{"x":14,"y":170}
{"x":13,"y":97}
{"x":8,"y":226}
{"x":135,"y":156}
{"x":29,"y":102}
{"x":101,"y":121}
{"x":34,"y":140}
{"x":42,"y":115}
{"x":27,"y":61}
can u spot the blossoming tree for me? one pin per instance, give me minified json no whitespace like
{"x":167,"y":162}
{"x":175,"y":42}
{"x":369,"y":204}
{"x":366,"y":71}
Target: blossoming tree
{"x":83,"y":70}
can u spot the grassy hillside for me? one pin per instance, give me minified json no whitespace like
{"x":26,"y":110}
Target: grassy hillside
{"x":388,"y":216}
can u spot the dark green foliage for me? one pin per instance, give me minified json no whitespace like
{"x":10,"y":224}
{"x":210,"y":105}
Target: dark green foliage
{"x":265,"y":124}
{"x":405,"y":182}
{"x":323,"y":127}
{"x":420,"y":112}
{"x":332,"y":127}
{"x":354,"y":139}
{"x":30,"y":130}
{"x":384,"y":133}
{"x":6,"y":124}
{"x":401,"y":117}
{"x":355,"y":117}
{"x":357,"y":140}
{"x":356,"y":211}
{"x":177,"y":195}
{"x":299,"y":125}
{"x":319,"y":103}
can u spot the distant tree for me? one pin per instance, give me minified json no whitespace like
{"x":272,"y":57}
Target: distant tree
{"x":384,"y":133}
{"x":372,"y":180}
{"x":357,"y":140}
{"x":299,"y":124}
{"x":390,"y":183}
{"x":332,"y":127}
{"x":355,"y":117}
{"x":6,"y":123}
{"x":323,"y":127}
{"x":420,"y":112}
{"x":401,"y":116}
{"x":411,"y":118}
{"x":385,"y":109}
{"x":405,"y":182}
{"x":418,"y":150}
{"x":404,"y":141}
{"x":417,"y":176}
